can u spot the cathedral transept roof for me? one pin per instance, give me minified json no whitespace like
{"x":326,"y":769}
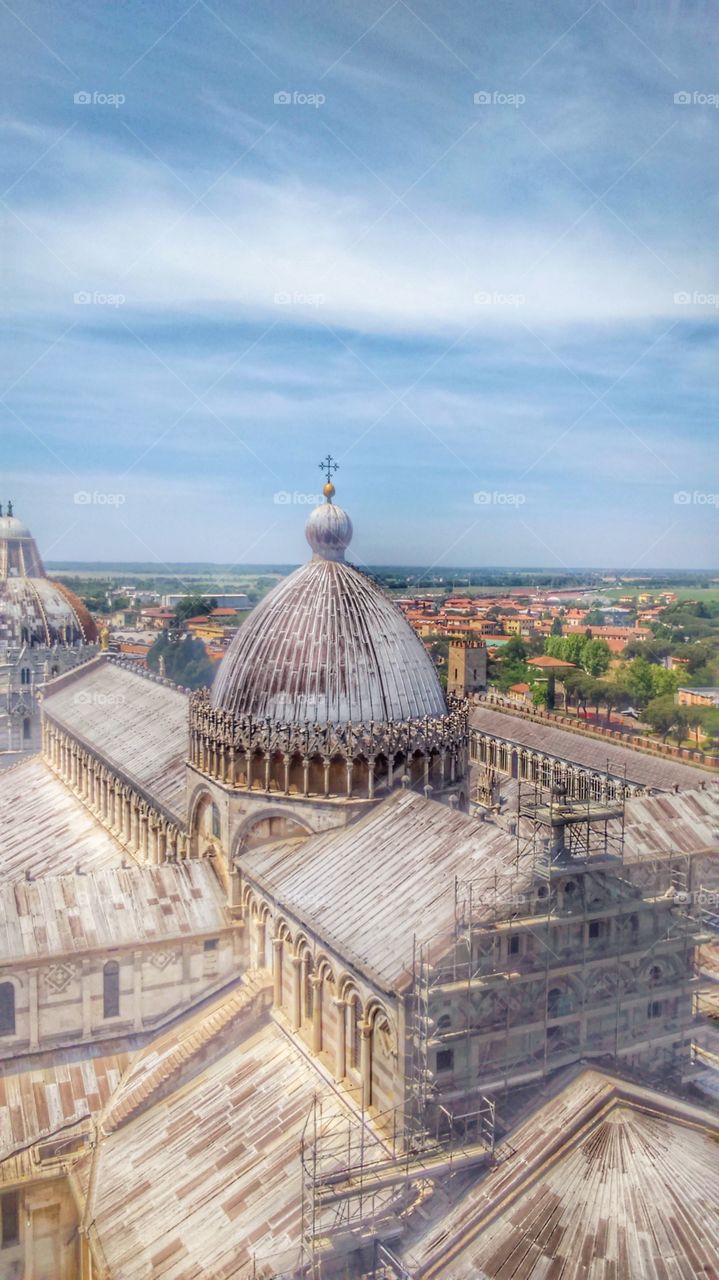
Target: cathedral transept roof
{"x":138,"y":724}
{"x":328,"y":646}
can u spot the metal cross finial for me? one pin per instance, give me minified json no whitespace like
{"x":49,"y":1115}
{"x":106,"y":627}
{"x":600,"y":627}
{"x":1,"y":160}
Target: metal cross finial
{"x":328,"y":465}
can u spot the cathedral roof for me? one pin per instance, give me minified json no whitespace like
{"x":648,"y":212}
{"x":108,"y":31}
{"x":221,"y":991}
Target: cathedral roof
{"x":372,"y":887}
{"x":46,"y":830}
{"x":112,"y":907}
{"x":607,"y":1179}
{"x":136,"y":724}
{"x":328,"y":646}
{"x":33,"y":608}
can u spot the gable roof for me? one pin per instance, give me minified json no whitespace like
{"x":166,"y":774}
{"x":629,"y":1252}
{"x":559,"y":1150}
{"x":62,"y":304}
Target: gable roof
{"x":111,"y":907}
{"x":588,"y":752}
{"x":138,"y":725}
{"x":46,"y":830}
{"x":372,"y":888}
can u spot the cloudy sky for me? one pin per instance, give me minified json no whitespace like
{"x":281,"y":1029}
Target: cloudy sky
{"x":469,"y":249}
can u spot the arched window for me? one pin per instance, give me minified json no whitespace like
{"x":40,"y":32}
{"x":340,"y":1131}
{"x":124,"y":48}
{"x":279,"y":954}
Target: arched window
{"x":111,"y":989}
{"x":26,"y":729}
{"x":655,"y":974}
{"x":7,"y":1009}
{"x":559,"y":1002}
{"x":215,"y":821}
{"x":24,"y":675}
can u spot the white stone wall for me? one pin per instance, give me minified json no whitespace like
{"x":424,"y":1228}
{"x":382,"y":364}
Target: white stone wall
{"x":60,"y":1001}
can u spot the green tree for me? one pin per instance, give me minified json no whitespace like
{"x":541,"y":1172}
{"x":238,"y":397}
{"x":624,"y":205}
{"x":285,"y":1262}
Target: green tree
{"x":664,"y":682}
{"x":557,"y":627}
{"x":639,"y":680}
{"x":595,"y":657}
{"x":661,"y":715}
{"x":193,"y":607}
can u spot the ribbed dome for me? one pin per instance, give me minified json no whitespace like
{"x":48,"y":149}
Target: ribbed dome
{"x":328,"y":646}
{"x":33,"y":609}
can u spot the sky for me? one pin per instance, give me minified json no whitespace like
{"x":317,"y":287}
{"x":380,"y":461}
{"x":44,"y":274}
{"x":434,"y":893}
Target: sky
{"x":469,"y":250}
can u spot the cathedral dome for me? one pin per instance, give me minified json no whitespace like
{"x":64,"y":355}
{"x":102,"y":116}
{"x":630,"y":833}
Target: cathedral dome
{"x":34,"y":610}
{"x":327,"y":646}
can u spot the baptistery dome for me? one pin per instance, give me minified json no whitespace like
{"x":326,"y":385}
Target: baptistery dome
{"x":34,"y":610}
{"x":328,"y":646}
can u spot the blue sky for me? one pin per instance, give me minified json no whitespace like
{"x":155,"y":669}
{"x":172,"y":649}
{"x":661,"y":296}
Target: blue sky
{"x":212,"y":288}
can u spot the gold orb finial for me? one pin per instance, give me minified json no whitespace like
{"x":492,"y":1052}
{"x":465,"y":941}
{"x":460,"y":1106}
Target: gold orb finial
{"x":328,"y":489}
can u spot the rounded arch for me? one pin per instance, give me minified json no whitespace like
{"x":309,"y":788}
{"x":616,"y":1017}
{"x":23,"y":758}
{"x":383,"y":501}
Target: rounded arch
{"x":271,"y":823}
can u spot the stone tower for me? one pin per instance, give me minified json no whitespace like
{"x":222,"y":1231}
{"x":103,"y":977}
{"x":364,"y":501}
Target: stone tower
{"x":466,"y":667}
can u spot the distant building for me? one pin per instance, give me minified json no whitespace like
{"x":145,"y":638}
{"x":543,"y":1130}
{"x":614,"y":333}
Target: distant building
{"x":225,"y":599}
{"x":706,"y":697}
{"x":44,"y":631}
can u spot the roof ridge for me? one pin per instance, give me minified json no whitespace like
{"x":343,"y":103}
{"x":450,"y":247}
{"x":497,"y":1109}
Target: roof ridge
{"x":132,"y":1094}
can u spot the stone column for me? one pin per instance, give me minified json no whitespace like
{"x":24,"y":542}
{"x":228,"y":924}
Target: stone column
{"x":277,"y":972}
{"x":370,"y":778}
{"x":268,"y":769}
{"x":349,"y":778}
{"x":137,"y":990}
{"x":341,"y":1044}
{"x":305,"y":776}
{"x":296,"y":1015}
{"x":248,"y":768}
{"x":316,"y":984}
{"x":326,"y":776}
{"x":365,"y":1030}
{"x":286,"y":763}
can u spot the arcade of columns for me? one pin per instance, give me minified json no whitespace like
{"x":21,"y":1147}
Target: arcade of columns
{"x":513,"y":761}
{"x":324,"y":760}
{"x":147,"y":832}
{"x":331,"y":1010}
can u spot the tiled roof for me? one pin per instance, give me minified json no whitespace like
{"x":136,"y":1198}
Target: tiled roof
{"x":138,"y":725}
{"x":606,"y":1180}
{"x":37,"y":1101}
{"x":684,"y":823}
{"x":588,"y":752}
{"x":402,"y":859}
{"x":46,"y":830}
{"x":207,"y":1182}
{"x":113,"y":907}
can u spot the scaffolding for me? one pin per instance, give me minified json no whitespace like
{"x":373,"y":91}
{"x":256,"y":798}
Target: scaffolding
{"x":362,"y":1178}
{"x":561,"y":843}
